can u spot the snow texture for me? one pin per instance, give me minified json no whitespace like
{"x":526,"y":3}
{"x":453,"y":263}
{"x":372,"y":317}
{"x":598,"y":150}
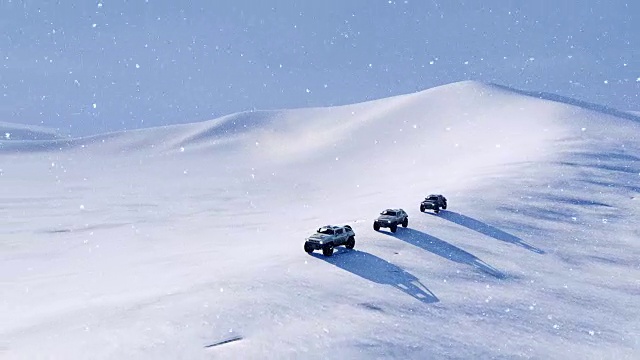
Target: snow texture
{"x":161,"y":242}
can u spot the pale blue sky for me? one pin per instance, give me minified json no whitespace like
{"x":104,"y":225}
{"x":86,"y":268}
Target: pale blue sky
{"x":147,"y":63}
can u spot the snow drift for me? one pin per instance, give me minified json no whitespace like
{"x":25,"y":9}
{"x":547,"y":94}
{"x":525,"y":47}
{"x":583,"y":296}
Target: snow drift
{"x":10,"y":131}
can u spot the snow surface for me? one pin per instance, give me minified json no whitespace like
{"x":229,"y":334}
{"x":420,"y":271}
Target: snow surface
{"x":157,"y":243}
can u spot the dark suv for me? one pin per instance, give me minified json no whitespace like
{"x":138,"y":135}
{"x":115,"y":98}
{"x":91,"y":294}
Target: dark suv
{"x":326,"y":238}
{"x":433,"y":202}
{"x":391,"y":218}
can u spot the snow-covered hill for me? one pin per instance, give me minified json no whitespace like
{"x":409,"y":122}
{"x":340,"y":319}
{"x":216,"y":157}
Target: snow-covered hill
{"x":157,"y":243}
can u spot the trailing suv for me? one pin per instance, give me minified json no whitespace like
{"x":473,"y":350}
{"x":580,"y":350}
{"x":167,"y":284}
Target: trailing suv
{"x":391,"y":218}
{"x":328,"y":237}
{"x":433,"y":202}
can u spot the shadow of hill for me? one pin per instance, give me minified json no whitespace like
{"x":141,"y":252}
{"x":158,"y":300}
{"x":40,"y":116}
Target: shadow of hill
{"x":443,"y":249}
{"x":33,"y":146}
{"x":571,"y":101}
{"x":380,"y":271}
{"x":486,"y":229}
{"x":572,"y":200}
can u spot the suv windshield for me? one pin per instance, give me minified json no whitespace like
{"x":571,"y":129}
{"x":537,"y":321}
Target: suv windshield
{"x":432,"y":198}
{"x":390,"y":213}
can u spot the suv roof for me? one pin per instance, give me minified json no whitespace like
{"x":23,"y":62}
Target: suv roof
{"x":333,"y":227}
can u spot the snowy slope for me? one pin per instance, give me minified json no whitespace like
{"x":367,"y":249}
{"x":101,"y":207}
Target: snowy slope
{"x":159,"y":242}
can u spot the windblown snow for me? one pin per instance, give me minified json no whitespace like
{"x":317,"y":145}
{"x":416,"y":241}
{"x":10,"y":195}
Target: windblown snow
{"x":10,"y":131}
{"x":161,"y":242}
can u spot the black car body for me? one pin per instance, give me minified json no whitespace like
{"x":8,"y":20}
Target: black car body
{"x":326,"y":238}
{"x":433,"y":202}
{"x":391,"y":218}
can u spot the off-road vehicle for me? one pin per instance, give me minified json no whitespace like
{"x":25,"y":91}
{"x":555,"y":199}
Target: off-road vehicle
{"x":391,"y":218}
{"x":433,"y":202}
{"x":328,"y":237}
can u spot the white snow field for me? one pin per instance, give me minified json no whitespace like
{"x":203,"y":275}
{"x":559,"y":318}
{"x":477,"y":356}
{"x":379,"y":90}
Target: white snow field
{"x":159,"y":243}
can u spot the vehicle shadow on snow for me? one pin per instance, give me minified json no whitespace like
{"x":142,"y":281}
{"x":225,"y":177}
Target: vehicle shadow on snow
{"x":443,"y":249}
{"x":486,"y":229}
{"x":380,"y":271}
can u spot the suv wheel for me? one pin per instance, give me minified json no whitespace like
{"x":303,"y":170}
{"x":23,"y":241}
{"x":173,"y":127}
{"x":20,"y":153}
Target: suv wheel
{"x":308,"y":249}
{"x":405,"y":222}
{"x":421,"y":208}
{"x":376,"y":226}
{"x":327,"y":251}
{"x":351,"y":242}
{"x":444,"y":206}
{"x":436,"y":210}
{"x":393,"y":228}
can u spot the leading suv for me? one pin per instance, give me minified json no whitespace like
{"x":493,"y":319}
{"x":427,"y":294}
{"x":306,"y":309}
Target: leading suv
{"x":328,"y":237}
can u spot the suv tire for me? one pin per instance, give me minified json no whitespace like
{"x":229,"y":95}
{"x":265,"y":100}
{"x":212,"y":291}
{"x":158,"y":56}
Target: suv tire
{"x":351,"y":243}
{"x":308,"y":249}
